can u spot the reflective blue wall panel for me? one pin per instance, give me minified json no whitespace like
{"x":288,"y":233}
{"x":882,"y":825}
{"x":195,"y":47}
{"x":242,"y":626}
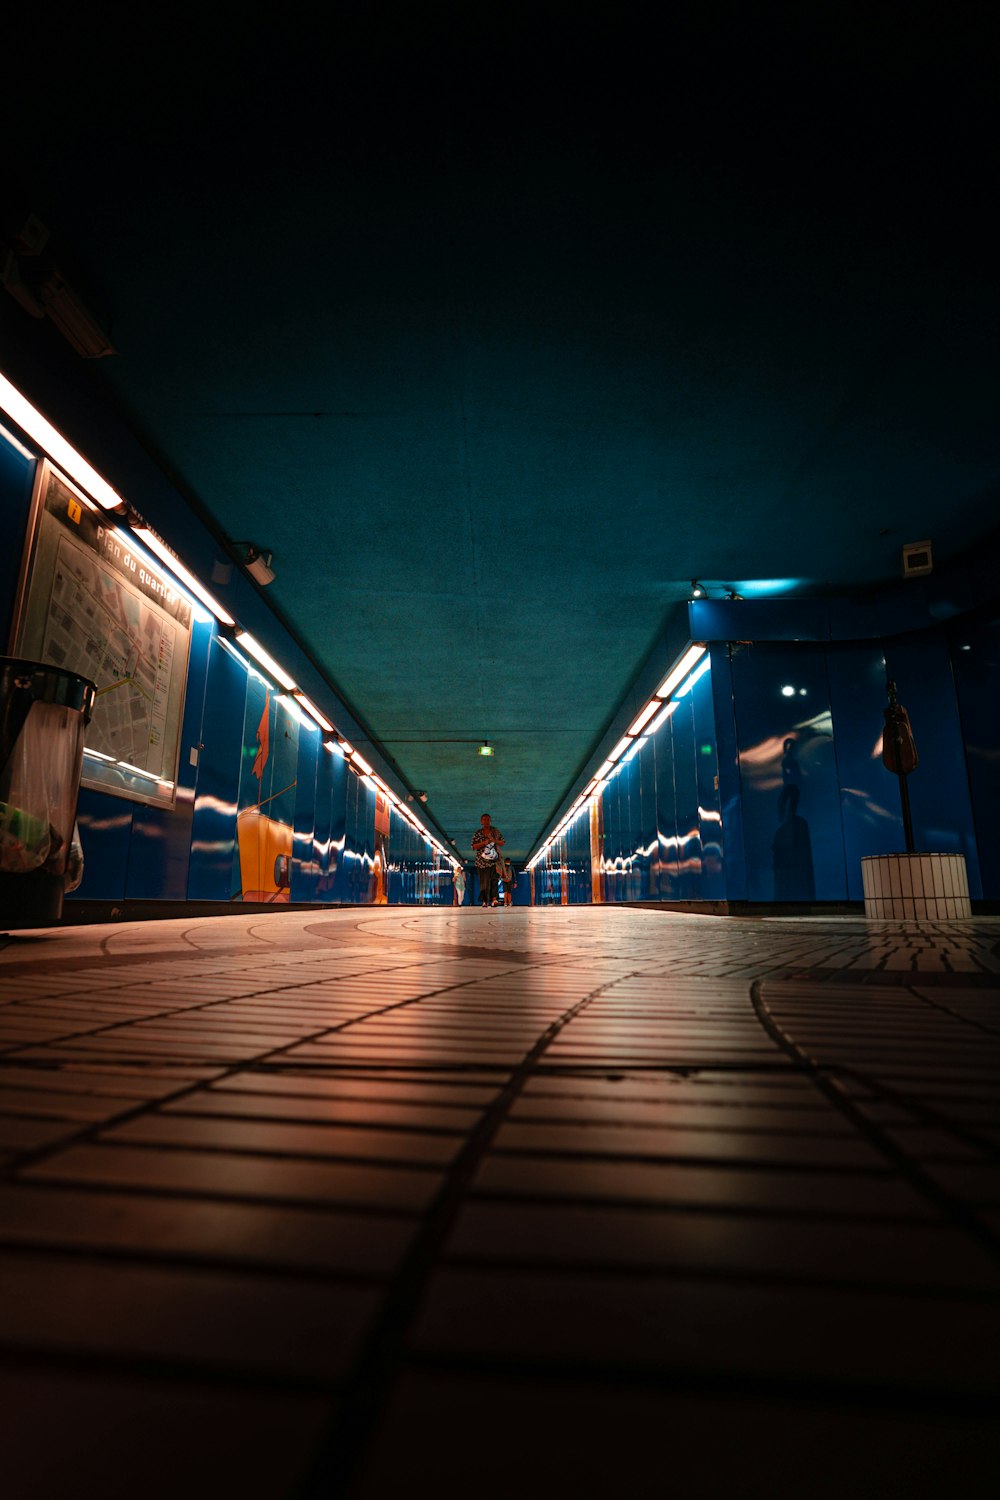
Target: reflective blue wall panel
{"x":336,"y":778}
{"x":646,"y":765}
{"x":345,"y":882}
{"x":712,"y":879}
{"x":869,"y":794}
{"x":17,"y":475}
{"x":788,"y":776}
{"x":664,"y":884}
{"x":975,"y":654}
{"x":213,"y":833}
{"x":106,"y":834}
{"x":727,"y":753}
{"x":159,"y":853}
{"x":939,"y":788}
{"x":681,"y":728}
{"x":305,"y":858}
{"x":368,"y":797}
{"x":631,"y":828}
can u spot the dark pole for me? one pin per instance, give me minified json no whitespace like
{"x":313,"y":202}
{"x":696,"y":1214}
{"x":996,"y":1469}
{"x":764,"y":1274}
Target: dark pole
{"x":897,"y":745}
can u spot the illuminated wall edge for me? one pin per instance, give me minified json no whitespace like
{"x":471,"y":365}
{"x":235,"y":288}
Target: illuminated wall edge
{"x":152,"y":852}
{"x":675,"y":682}
{"x":49,"y":442}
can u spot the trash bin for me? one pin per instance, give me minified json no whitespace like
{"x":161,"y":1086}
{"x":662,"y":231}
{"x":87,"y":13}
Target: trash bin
{"x":44,"y":712}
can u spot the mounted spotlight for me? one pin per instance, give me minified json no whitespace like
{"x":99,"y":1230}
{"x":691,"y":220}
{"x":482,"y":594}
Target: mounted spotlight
{"x":732,"y":595}
{"x":697,"y":592}
{"x":30,"y":275}
{"x":258,"y":565}
{"x":254,"y":559}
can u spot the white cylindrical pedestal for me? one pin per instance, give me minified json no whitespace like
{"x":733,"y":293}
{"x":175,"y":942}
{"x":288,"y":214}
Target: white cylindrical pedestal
{"x":898,"y":886}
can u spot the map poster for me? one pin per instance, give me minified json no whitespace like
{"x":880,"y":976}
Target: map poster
{"x":96,"y":604}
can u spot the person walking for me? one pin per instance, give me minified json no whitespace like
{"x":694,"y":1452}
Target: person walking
{"x":486,"y":843}
{"x":458,"y":887}
{"x":509,"y":882}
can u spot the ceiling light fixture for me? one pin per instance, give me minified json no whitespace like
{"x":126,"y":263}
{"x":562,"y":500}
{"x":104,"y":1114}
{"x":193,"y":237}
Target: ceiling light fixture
{"x":697,"y":592}
{"x":485,"y":748}
{"x":640,"y":723}
{"x":314,"y":713}
{"x":42,"y":432}
{"x":289,"y":702}
{"x":695,"y":676}
{"x":692,"y":655}
{"x":162,"y":551}
{"x":266,"y":660}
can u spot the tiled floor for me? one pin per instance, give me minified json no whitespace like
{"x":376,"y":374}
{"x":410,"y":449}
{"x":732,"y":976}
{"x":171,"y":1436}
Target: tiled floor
{"x":528,"y":1202}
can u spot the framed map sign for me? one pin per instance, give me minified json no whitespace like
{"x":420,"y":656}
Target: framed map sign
{"x":93,"y":602}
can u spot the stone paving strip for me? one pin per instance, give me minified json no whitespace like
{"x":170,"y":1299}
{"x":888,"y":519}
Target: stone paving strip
{"x":341,"y":1203}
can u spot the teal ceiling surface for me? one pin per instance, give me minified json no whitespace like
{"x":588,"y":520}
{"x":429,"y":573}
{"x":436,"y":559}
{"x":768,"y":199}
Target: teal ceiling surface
{"x":498,"y":329}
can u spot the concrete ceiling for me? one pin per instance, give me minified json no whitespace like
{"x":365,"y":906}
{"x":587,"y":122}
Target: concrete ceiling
{"x":499,"y":325}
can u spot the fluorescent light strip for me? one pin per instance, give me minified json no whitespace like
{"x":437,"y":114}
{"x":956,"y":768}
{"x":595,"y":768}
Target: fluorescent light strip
{"x":661,"y":719}
{"x":359,"y":760}
{"x":290,"y":704}
{"x":62,"y":452}
{"x":162,"y":551}
{"x":639,"y":724}
{"x":696,"y":676}
{"x":256,"y":650}
{"x":314,"y":713}
{"x":631,"y":742}
{"x":692,"y":655}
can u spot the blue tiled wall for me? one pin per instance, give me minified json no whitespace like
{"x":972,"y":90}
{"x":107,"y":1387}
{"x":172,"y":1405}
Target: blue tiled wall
{"x":17,"y":475}
{"x":767,"y":783}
